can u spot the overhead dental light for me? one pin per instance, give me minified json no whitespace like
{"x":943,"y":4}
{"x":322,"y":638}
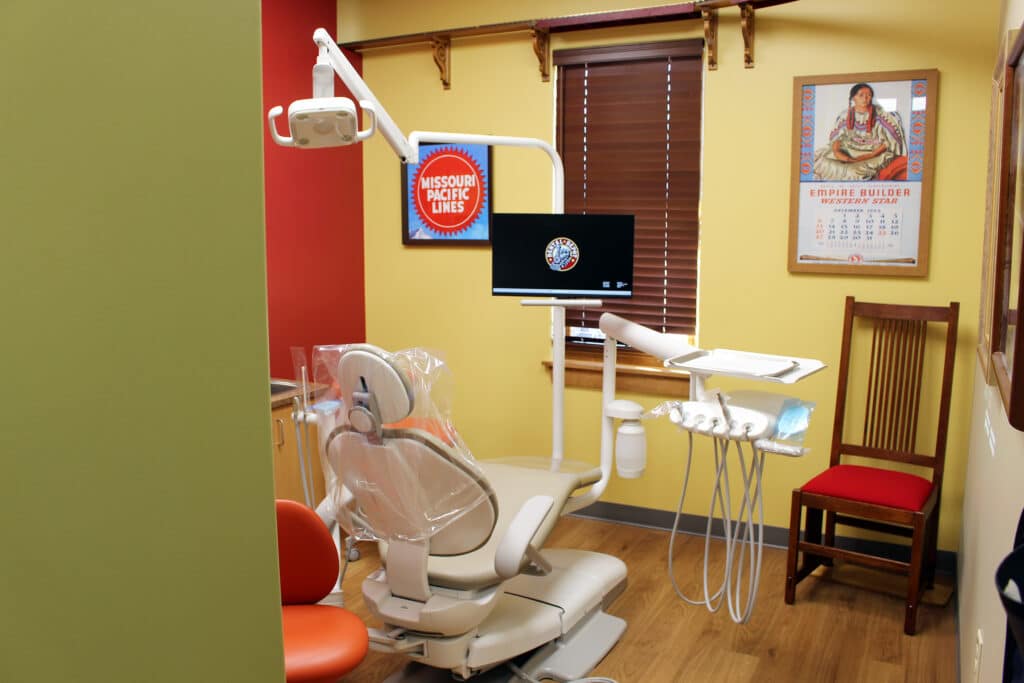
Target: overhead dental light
{"x":328,"y":121}
{"x":323,"y":122}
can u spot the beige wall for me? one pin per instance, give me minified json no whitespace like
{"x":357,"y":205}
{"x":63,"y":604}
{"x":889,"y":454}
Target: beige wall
{"x":993,"y":497}
{"x":439,"y":297}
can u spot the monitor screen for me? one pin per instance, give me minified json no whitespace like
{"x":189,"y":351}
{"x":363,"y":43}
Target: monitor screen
{"x":562,"y":255}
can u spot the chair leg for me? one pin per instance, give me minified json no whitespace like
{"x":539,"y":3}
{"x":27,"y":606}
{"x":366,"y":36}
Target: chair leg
{"x":916,"y":565}
{"x":792,"y":554}
{"x":830,"y":535}
{"x":931,"y":550}
{"x":812,"y":534}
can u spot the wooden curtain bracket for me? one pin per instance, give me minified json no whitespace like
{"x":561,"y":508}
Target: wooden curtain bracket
{"x":541,"y":48}
{"x":442,"y":49}
{"x":710,"y":17}
{"x":747,"y":26}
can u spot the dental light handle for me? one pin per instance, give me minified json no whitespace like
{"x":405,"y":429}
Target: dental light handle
{"x":283,"y":140}
{"x":371,"y":113}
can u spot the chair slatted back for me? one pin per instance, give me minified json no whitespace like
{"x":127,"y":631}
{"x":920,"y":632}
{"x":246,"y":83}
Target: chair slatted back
{"x":896,"y":376}
{"x":894,"y":383}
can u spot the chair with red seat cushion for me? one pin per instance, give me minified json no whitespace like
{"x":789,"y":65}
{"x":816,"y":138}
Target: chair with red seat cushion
{"x":322,"y":643}
{"x":892,"y":373}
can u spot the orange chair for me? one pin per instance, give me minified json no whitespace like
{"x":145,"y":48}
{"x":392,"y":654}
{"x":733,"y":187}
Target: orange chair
{"x":322,"y":643}
{"x":886,"y":500}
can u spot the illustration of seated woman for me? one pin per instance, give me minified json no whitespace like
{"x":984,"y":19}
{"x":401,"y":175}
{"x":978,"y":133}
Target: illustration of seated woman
{"x":866,"y":143}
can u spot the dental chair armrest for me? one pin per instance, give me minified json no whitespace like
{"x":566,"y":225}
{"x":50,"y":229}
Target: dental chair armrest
{"x":515,"y":544}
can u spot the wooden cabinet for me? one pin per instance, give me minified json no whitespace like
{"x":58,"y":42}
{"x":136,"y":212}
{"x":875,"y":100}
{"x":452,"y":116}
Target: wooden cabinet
{"x":287,"y":473}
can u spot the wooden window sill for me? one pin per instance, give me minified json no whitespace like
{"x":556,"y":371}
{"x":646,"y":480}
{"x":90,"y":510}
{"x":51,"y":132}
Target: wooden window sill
{"x":629,"y":377}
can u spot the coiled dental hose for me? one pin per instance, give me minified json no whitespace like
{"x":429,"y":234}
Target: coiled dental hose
{"x":738,"y":532}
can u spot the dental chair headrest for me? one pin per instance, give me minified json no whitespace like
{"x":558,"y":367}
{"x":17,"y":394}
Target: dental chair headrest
{"x":377,"y":392}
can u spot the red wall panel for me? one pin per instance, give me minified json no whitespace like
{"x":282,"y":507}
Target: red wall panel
{"x":314,"y":201}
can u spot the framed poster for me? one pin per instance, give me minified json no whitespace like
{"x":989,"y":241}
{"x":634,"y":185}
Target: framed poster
{"x":863,"y":156}
{"x":446,"y":197}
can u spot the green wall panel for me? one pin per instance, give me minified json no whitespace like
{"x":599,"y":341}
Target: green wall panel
{"x":136,"y":496}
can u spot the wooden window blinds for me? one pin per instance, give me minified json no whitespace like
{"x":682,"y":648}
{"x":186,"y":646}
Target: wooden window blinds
{"x":629,"y":132}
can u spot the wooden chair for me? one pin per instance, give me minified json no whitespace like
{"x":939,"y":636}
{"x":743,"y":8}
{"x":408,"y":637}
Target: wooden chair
{"x":881,"y":499}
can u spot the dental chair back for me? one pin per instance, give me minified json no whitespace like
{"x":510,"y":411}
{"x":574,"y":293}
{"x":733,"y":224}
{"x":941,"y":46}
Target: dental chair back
{"x":434,"y":496}
{"x":412,"y":488}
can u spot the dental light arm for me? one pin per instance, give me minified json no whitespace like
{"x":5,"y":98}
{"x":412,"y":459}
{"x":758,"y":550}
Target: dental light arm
{"x":357,"y":86}
{"x":407,"y":149}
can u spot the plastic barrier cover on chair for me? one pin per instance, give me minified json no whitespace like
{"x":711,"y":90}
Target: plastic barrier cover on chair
{"x":421,"y":510}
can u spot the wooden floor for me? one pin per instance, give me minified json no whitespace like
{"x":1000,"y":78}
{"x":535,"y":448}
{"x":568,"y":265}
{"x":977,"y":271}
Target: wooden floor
{"x":832,"y":633}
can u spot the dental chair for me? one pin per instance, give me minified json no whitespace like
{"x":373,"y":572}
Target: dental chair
{"x":465,"y":586}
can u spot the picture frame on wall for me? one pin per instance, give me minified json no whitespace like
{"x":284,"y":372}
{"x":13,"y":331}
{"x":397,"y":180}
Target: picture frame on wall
{"x":446,"y":197}
{"x":863,"y":162}
{"x":1004,"y":286}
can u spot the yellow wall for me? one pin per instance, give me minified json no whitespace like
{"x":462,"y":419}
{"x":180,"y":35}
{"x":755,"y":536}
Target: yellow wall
{"x":439,"y":297}
{"x":136,"y":513}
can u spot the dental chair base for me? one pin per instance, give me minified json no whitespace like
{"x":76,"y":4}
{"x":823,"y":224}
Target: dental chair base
{"x":561,"y":613}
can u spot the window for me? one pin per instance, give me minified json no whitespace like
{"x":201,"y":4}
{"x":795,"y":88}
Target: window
{"x":629,"y":133}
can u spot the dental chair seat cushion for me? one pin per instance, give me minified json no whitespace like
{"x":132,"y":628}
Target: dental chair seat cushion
{"x":512,"y":487}
{"x":321,"y":642}
{"x":872,"y":485}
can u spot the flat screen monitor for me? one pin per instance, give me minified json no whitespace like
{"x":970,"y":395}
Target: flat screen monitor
{"x":562,"y":255}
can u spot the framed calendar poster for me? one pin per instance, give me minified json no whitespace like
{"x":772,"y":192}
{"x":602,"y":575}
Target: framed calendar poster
{"x":863,"y":152}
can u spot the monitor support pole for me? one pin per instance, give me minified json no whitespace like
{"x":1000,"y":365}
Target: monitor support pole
{"x":558,"y":307}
